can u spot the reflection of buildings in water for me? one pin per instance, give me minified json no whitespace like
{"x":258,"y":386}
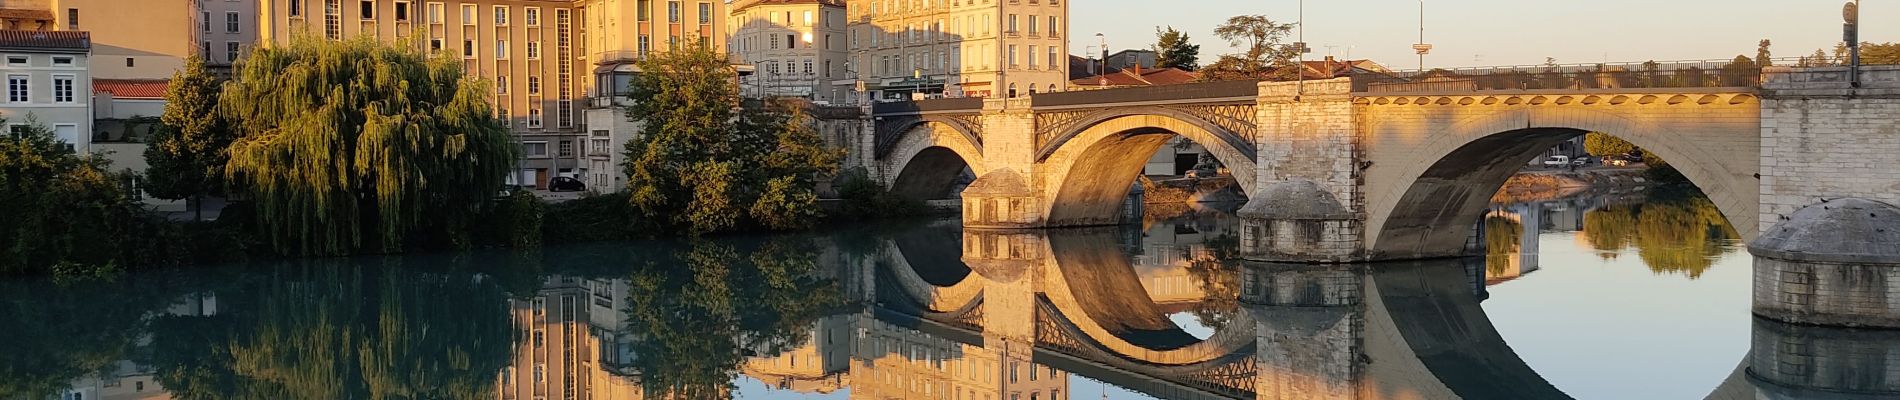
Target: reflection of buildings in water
{"x":895,"y":362}
{"x":568,"y":347}
{"x":1167,"y":249}
{"x":820,"y":365}
{"x":127,"y":380}
{"x":1513,"y":264}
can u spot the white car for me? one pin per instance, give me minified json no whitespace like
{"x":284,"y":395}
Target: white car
{"x":1557,"y":161}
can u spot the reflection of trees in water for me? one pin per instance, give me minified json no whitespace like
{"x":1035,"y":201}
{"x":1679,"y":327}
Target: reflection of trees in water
{"x":1675,"y":231}
{"x":1502,"y":236}
{"x":1218,"y":272}
{"x":329,"y":331}
{"x":54,"y":333}
{"x":696,"y":319}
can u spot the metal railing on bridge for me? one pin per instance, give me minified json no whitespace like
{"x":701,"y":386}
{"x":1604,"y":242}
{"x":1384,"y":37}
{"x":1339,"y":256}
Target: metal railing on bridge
{"x":1652,"y":74}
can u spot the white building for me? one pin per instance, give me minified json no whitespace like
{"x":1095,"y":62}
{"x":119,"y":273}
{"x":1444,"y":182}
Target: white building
{"x":48,"y":83}
{"x":797,"y":47}
{"x":999,"y":48}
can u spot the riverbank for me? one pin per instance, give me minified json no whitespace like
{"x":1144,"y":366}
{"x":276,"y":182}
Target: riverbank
{"x":1539,"y":185}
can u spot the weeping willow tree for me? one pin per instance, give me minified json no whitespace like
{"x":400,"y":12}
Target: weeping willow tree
{"x":360,"y":145}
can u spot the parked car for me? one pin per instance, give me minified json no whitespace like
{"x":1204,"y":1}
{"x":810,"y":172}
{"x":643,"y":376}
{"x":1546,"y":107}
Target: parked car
{"x":1557,"y":161}
{"x":566,"y":184}
{"x":1580,"y":162}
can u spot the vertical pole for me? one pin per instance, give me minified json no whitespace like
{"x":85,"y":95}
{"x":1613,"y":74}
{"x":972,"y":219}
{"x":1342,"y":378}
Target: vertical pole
{"x":1299,"y":71}
{"x":1421,"y":34}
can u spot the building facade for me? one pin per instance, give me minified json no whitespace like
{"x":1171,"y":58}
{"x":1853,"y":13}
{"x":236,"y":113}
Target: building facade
{"x":525,"y":48}
{"x":795,"y":47}
{"x":46,"y":73}
{"x":957,"y":48}
{"x":149,"y":41}
{"x":228,"y":30}
{"x":619,"y":33}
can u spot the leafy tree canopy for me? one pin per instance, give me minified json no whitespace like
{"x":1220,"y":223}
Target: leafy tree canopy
{"x":187,"y":156}
{"x":1174,"y":50}
{"x":64,"y":210}
{"x":1264,"y":56}
{"x":361,"y":145}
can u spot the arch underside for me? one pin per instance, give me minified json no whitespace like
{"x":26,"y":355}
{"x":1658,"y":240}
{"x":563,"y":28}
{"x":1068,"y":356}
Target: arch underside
{"x":1095,"y":291}
{"x":1099,"y":162}
{"x":931,"y":175}
{"x":1470,"y":161}
{"x":928,"y":160}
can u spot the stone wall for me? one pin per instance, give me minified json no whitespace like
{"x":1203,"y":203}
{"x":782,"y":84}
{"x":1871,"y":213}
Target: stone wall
{"x":1822,"y":139}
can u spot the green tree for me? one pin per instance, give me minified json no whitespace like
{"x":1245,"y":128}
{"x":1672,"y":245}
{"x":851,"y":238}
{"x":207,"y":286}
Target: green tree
{"x":1603,"y":145}
{"x":1741,"y":72}
{"x":1764,"y":57}
{"x":1174,"y":50}
{"x":65,"y":212}
{"x":1818,"y":59}
{"x":1264,"y":56}
{"x":187,"y":157}
{"x":702,"y":163}
{"x":360,"y":145}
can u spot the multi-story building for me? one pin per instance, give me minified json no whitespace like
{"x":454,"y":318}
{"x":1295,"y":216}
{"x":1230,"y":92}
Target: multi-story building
{"x":527,"y":48}
{"x":228,"y":30}
{"x":46,"y":73}
{"x":975,"y":48}
{"x":619,"y":33}
{"x":147,"y":41}
{"x":796,"y":47}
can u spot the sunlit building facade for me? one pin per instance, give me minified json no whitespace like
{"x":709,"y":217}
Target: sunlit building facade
{"x":617,"y":34}
{"x":967,"y":48}
{"x":795,"y":47}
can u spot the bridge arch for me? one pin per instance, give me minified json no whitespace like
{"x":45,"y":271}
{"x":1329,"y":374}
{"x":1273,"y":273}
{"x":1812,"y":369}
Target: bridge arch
{"x":1434,"y":194}
{"x":928,"y":156}
{"x":1093,"y":291}
{"x":1094,"y":161}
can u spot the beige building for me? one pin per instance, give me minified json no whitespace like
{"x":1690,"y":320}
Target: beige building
{"x":47,"y":83}
{"x":228,"y":30}
{"x":619,"y":33}
{"x":525,"y":47}
{"x":796,"y":47}
{"x":146,"y":41}
{"x":985,"y":48}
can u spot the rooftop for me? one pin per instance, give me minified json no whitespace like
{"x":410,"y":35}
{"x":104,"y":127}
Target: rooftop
{"x":131,"y":88}
{"x":50,"y":40}
{"x":741,"y":5}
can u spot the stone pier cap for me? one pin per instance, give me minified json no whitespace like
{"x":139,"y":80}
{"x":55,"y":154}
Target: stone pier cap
{"x":1836,"y":263}
{"x":1846,"y":231}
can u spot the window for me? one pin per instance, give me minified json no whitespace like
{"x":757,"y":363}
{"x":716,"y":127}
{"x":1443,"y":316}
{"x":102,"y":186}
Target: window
{"x":532,"y":15}
{"x":1052,"y":25}
{"x":435,"y":12}
{"x":435,"y":45}
{"x":402,"y":11}
{"x":62,"y":88}
{"x":646,"y":44}
{"x":231,"y":22}
{"x":536,"y":150}
{"x":501,"y":49}
{"x":808,"y":64}
{"x":1032,"y":24}
{"x":534,"y":121}
{"x":534,"y":50}
{"x":1012,"y":56}
{"x":566,"y":109}
{"x":705,"y":13}
{"x":72,"y":19}
{"x":204,"y":50}
{"x":332,"y":19}
{"x":1012,"y":90}
{"x":645,"y":10}
{"x":534,"y":84}
{"x":501,"y":84}
{"x":366,"y":9}
{"x":16,"y":88}
{"x":468,"y":14}
{"x":16,"y":61}
{"x":501,"y":15}
{"x":567,"y":148}
{"x":673,"y":12}
{"x":808,"y":18}
{"x":205,"y":23}
{"x":231,"y":51}
{"x":1031,"y":55}
{"x":468,"y":48}
{"x":540,"y":374}
{"x":129,"y":62}
{"x":1012,"y":24}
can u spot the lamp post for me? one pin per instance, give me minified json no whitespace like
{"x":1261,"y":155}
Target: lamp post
{"x":1421,"y":47}
{"x":1850,"y":14}
{"x":1104,"y":45}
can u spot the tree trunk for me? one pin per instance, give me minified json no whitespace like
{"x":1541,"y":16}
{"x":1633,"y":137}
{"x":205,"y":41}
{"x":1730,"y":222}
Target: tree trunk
{"x":198,"y":208}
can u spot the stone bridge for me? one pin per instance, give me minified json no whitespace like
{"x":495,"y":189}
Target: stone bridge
{"x":1362,"y":169}
{"x":1070,"y":299}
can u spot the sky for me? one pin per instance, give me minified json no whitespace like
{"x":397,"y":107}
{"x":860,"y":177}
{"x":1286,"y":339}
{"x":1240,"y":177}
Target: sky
{"x":1500,"y":32}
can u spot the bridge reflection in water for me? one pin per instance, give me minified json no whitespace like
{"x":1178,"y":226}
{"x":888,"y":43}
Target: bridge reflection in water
{"x":1047,"y":304}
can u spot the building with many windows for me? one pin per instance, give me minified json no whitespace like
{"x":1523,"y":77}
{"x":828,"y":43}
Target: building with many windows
{"x":795,"y":47}
{"x":46,"y":73}
{"x":525,"y":47}
{"x":619,"y":33}
{"x":974,"y":48}
{"x":228,"y":30}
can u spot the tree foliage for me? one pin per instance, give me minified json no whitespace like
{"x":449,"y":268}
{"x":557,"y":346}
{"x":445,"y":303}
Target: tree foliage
{"x":63,"y":210}
{"x":1263,"y":57}
{"x":1763,"y":56}
{"x":703,"y":163}
{"x":1603,"y":145}
{"x":360,"y":145}
{"x":1174,"y":50}
{"x":187,"y":156}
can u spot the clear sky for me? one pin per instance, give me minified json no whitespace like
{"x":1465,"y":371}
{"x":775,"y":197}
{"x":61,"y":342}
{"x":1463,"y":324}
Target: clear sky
{"x":1501,"y":32}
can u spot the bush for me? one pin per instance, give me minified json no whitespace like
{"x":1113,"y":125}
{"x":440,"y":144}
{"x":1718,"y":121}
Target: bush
{"x":592,"y":219}
{"x":864,"y":198}
{"x":517,"y":222}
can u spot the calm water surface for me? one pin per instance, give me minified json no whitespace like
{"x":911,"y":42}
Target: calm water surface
{"x":1603,"y":296}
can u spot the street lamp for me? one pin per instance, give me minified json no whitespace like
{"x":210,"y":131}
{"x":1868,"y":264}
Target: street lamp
{"x":1850,"y":14}
{"x":1104,"y":45}
{"x":1421,"y":47}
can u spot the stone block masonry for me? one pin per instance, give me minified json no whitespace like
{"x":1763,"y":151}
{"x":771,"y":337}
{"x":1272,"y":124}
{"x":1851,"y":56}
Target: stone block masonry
{"x":1822,"y":139}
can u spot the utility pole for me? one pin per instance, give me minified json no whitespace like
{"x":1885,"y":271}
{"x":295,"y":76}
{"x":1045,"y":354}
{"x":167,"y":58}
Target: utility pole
{"x":1850,"y":13}
{"x":1299,"y":70}
{"x":1422,"y":48}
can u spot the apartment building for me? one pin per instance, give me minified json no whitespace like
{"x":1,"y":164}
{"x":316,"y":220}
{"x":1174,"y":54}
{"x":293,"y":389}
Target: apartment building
{"x":971,"y":48}
{"x":620,"y":33}
{"x":525,"y":47}
{"x":795,"y":47}
{"x":46,"y":73}
{"x":228,"y":31}
{"x":148,"y":41}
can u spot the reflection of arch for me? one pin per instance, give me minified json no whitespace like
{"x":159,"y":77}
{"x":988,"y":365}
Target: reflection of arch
{"x":954,"y":289}
{"x":1101,"y":154}
{"x":1090,"y":288}
{"x":1423,"y":316}
{"x":930,"y":154}
{"x":1428,"y":212}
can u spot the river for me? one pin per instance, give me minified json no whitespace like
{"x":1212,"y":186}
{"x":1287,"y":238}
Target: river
{"x":1599,"y":296}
